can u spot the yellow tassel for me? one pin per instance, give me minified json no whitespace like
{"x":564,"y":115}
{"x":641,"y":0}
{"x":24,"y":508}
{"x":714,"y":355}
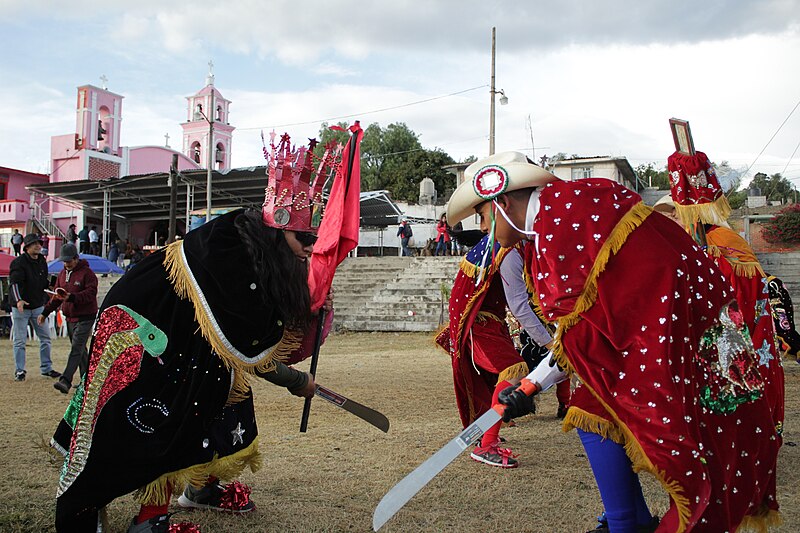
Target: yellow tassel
{"x":578,"y":418}
{"x":185,"y":289}
{"x":716,"y":212}
{"x":761,"y":521}
{"x":518,"y":370}
{"x":157,"y":492}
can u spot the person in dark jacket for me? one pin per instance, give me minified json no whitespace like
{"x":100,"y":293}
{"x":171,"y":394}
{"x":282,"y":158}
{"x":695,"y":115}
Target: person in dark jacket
{"x":83,"y":237}
{"x":28,"y":280}
{"x":76,"y":294}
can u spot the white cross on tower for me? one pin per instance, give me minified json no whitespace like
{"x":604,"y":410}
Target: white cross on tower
{"x":104,"y":79}
{"x":166,"y":140}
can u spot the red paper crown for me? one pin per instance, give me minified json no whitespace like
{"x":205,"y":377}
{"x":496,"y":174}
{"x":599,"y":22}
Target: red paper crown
{"x":293,"y":197}
{"x":696,"y":190}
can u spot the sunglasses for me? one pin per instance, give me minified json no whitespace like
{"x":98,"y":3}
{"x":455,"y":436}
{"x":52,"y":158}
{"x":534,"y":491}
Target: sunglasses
{"x":306,"y":239}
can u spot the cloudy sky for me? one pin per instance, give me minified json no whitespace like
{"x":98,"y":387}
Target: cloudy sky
{"x":591,"y":77}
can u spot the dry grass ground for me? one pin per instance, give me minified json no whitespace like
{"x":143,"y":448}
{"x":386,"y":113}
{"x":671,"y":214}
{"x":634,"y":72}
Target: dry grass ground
{"x":331,"y":478}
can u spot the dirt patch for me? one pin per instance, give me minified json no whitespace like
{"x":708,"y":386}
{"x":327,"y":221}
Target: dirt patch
{"x":331,"y":478}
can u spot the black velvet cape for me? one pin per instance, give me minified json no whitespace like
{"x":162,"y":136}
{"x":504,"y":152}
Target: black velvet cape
{"x":167,"y":403}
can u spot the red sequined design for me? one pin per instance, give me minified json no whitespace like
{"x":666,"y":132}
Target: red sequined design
{"x":126,"y":367}
{"x":235,"y":496}
{"x":692,"y":179}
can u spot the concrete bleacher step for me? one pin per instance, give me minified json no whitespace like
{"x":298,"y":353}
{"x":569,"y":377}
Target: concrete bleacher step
{"x":377,"y":294}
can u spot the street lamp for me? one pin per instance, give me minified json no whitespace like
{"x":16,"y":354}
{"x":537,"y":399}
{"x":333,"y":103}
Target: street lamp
{"x":492,"y":93}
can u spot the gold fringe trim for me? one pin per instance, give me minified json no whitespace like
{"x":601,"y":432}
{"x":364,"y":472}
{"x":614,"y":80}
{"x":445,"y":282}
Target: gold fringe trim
{"x":747,"y":269}
{"x":518,"y":370}
{"x":761,"y":521}
{"x":182,"y":285}
{"x":485,"y":316}
{"x":716,"y":212}
{"x":158,"y":492}
{"x":580,"y":419}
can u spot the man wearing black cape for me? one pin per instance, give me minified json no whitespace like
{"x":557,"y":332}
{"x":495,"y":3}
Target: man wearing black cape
{"x":166,"y":401}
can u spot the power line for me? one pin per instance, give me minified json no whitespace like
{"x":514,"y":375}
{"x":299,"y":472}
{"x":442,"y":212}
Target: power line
{"x":790,"y":159}
{"x":330,"y":119}
{"x":771,"y":138}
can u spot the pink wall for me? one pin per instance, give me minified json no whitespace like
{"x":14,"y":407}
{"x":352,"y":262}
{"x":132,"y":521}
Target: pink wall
{"x":147,"y":159}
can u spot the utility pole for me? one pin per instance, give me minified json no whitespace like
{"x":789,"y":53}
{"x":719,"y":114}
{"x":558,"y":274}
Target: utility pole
{"x":491,"y":105}
{"x":492,"y":93}
{"x":173,"y":198}
{"x":210,"y":119}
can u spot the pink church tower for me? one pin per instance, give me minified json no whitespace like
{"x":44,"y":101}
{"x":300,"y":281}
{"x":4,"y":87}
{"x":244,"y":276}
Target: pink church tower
{"x":208,"y":105}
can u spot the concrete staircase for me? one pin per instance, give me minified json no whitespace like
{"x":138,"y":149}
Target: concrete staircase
{"x":786,"y":266}
{"x":377,"y":293}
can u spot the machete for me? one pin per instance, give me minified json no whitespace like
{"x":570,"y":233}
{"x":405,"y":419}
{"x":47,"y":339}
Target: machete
{"x":400,"y":494}
{"x":361,"y":411}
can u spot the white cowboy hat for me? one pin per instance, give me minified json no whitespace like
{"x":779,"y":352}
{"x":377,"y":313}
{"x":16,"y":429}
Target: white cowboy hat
{"x":665,"y":204}
{"x":487,"y":178}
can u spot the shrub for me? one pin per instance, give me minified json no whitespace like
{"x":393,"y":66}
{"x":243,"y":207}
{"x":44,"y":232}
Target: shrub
{"x":785,"y":227}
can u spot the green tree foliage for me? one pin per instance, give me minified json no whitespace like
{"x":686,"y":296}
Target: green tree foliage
{"x":737,"y":199}
{"x":653,"y":176}
{"x":785,"y":227}
{"x":775,"y":187}
{"x":392,"y":158}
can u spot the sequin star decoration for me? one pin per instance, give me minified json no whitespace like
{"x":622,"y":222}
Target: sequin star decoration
{"x":237,"y":434}
{"x":761,"y":308}
{"x":764,"y":355}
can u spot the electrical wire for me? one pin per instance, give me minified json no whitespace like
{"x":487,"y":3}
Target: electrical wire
{"x":771,"y":138}
{"x":330,"y":119}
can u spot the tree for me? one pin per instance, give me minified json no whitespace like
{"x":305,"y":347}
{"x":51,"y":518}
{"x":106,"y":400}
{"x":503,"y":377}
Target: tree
{"x":653,"y":176}
{"x":785,"y":227}
{"x":775,"y":188}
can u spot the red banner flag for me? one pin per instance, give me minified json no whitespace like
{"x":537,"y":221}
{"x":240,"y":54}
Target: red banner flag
{"x":338,"y":232}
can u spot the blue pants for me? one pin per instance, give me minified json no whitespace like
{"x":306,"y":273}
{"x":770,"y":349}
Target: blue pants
{"x":20,"y":322}
{"x":441,"y":245}
{"x":619,"y":486}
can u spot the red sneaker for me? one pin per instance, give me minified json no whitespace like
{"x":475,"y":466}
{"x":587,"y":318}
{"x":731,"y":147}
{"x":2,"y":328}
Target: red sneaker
{"x":495,"y":456}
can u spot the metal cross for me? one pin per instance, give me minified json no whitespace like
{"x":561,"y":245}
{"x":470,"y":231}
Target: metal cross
{"x":104,"y":79}
{"x":210,"y":68}
{"x":166,"y":140}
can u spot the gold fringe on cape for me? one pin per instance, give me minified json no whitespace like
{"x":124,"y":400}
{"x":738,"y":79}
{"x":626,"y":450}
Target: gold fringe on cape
{"x":578,"y":418}
{"x":183,"y":286}
{"x":158,"y":492}
{"x":517,"y":370}
{"x":761,"y":521}
{"x":747,"y":269}
{"x":716,"y":212}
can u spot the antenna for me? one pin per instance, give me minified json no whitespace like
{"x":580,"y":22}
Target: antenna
{"x":533,"y":146}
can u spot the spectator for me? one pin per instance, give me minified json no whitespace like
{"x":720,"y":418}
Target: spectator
{"x":76,"y":294}
{"x":28,"y":279}
{"x":45,"y":245}
{"x":455,"y":245}
{"x":113,"y":253}
{"x":94,"y":241}
{"x":443,"y":236}
{"x":16,"y":241}
{"x":136,"y":256}
{"x":83,"y":237}
{"x":72,"y":235}
{"x":405,"y":233}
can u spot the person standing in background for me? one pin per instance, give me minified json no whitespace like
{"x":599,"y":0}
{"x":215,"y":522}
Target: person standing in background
{"x":76,"y":295}
{"x":28,"y":279}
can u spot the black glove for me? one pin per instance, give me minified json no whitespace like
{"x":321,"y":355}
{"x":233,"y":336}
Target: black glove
{"x":517,"y":403}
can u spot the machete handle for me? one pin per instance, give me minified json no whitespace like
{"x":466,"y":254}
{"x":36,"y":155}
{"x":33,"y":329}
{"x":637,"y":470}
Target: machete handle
{"x":527,"y":386}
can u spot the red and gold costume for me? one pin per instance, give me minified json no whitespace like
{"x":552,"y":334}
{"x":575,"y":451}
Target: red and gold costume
{"x":651,"y":328}
{"x":477,"y":338}
{"x":703,"y":209}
